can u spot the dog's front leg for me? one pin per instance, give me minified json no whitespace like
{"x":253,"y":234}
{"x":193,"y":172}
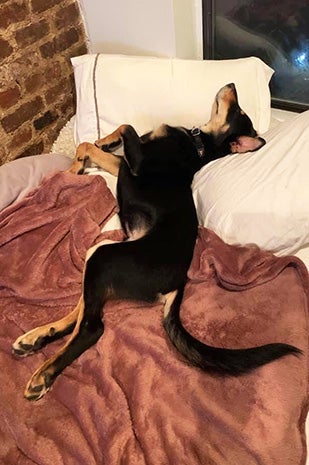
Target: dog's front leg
{"x":127,"y":136}
{"x":105,"y":160}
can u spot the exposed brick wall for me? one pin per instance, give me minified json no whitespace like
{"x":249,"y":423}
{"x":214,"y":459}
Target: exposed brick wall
{"x":37,"y":40}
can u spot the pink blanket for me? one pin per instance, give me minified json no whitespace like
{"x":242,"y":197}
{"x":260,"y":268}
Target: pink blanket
{"x":130,"y":399}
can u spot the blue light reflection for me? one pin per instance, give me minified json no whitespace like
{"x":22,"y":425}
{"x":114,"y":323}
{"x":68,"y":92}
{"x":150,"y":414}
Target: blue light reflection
{"x":300,"y":58}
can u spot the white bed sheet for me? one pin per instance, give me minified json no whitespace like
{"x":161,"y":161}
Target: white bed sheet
{"x":280,"y":116}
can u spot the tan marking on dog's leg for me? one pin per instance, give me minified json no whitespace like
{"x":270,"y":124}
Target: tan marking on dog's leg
{"x":113,"y":138}
{"x":167,"y":300}
{"x":108,"y":161}
{"x":29,"y":343}
{"x":38,"y":384}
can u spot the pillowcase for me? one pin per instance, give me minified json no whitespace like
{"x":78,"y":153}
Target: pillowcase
{"x":146,"y":92}
{"x":260,"y":198}
{"x":19,"y":177}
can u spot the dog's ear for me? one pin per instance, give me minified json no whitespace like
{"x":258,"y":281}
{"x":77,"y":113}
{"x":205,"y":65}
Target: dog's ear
{"x":243,"y":144}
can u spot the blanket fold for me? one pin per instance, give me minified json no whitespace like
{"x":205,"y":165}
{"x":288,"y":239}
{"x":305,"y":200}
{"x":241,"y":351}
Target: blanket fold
{"x":237,"y":268}
{"x":131,"y":399}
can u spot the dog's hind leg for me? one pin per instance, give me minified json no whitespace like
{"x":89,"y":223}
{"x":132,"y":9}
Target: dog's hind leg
{"x":39,"y":337}
{"x":88,"y":329}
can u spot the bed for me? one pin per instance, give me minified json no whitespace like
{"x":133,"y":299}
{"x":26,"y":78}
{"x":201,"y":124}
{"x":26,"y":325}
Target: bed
{"x":131,"y":399}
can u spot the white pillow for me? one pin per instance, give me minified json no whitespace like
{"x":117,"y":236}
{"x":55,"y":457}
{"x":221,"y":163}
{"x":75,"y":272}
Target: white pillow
{"x":147,"y":91}
{"x":260,"y":198}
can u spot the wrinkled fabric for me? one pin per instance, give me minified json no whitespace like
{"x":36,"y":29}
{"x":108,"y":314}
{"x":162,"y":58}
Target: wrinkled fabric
{"x":131,"y":399}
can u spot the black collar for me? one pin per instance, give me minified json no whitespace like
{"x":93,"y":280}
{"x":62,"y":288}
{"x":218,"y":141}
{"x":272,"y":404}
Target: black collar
{"x":197,"y":140}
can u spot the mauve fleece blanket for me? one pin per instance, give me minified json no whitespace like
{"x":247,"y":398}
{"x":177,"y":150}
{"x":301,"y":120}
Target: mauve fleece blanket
{"x":131,"y":399}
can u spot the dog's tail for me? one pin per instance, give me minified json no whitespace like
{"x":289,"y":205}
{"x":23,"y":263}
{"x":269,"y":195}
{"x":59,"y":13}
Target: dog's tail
{"x":219,"y":360}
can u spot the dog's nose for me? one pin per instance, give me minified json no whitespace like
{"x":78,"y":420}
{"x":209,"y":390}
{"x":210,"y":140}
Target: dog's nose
{"x":231,"y":86}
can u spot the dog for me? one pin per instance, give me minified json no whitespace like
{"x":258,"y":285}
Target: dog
{"x":158,"y":216}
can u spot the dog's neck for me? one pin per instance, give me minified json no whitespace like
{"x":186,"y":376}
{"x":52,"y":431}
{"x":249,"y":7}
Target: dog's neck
{"x":206,"y":147}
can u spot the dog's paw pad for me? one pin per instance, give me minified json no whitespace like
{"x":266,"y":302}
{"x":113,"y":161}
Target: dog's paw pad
{"x":27,"y":344}
{"x":22,"y":349}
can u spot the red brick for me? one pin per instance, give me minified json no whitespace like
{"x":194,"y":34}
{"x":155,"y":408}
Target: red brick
{"x":66,"y":39}
{"x":38,"y":6}
{"x":9,"y":97}
{"x":24,"y":113}
{"x":59,"y":92}
{"x":54,"y":71}
{"x":45,"y":120}
{"x":11,"y":14}
{"x":48,"y":50}
{"x":34,"y":149}
{"x":37,"y":81}
{"x":33,"y":82}
{"x":5,"y":48}
{"x":21,"y":137}
{"x":59,"y":43}
{"x":42,"y":5}
{"x":30,"y":34}
{"x":67,"y":16}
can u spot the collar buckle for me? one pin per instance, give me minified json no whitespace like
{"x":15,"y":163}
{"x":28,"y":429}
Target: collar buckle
{"x":196,"y":134}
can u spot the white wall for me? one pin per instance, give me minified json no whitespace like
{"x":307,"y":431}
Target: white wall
{"x":144,"y":27}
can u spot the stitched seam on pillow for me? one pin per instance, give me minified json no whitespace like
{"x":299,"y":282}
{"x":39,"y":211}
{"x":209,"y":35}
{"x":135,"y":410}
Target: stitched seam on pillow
{"x":95,"y":95}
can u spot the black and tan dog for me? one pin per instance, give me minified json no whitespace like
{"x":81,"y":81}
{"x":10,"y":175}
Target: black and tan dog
{"x":158,"y":215}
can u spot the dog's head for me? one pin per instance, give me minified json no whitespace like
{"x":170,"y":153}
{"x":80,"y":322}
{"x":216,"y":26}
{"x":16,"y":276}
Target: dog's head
{"x":229,"y":129}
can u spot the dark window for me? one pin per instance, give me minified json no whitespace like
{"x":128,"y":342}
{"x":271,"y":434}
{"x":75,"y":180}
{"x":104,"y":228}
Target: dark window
{"x":275,"y":31}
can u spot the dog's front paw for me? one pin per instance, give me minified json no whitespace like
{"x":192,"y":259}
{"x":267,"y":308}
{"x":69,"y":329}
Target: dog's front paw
{"x":79,"y":165}
{"x":110,"y":147}
{"x":107,"y":144}
{"x":81,"y":158}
